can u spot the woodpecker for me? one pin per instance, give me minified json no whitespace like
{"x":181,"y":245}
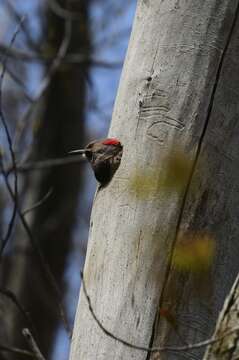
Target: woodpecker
{"x":104,"y":157}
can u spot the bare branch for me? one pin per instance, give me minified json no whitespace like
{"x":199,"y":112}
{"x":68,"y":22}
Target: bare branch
{"x":10,"y":143}
{"x":17,"y":18}
{"x":12,"y":297}
{"x":15,"y":350}
{"x":76,"y":58}
{"x":47,"y":164}
{"x":46,"y":81}
{"x":32,"y":344}
{"x":45,"y":267}
{"x":14,"y":194}
{"x":19,"y":82}
{"x":38,"y":203}
{"x":24,"y":55}
{"x":64,"y":13}
{"x":151,"y":349}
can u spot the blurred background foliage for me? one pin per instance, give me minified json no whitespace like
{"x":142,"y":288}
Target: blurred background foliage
{"x":60,"y":81}
{"x":171,"y":179}
{"x":194,"y":252}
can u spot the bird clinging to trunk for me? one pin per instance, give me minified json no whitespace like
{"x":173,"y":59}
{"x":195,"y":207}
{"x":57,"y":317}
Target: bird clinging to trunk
{"x":104,"y":157}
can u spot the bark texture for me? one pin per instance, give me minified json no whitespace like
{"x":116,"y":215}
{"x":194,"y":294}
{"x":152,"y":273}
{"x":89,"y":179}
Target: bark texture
{"x":179,"y":87}
{"x":228,"y":349}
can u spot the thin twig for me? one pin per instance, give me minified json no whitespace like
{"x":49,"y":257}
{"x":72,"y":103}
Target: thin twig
{"x":14,"y":194}
{"x":71,"y":58}
{"x":38,"y":203}
{"x":10,"y":144}
{"x":15,"y":350}
{"x":19,"y":82}
{"x":64,"y":13}
{"x":12,"y":297}
{"x":32,"y":344}
{"x":78,"y":58}
{"x":48,"y":164}
{"x":188,"y":347}
{"x":46,"y":81}
{"x":44,"y":265}
{"x":27,"y":33}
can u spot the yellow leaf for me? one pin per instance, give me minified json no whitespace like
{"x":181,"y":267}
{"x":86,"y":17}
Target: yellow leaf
{"x":194,"y":252}
{"x":172,"y":177}
{"x":143,"y":184}
{"x":178,"y":167}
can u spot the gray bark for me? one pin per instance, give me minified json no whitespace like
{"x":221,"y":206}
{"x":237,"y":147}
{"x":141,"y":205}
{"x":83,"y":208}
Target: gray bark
{"x":228,"y":349}
{"x":179,"y":87}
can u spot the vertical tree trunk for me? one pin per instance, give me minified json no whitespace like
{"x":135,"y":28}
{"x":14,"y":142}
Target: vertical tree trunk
{"x":228,"y":320}
{"x":178,"y":89}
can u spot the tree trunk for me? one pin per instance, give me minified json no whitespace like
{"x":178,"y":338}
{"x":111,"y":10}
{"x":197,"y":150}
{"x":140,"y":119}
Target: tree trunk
{"x":228,"y":349}
{"x":178,"y":90}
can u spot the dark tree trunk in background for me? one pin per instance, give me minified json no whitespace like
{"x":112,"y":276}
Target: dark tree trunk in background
{"x":61,"y":129}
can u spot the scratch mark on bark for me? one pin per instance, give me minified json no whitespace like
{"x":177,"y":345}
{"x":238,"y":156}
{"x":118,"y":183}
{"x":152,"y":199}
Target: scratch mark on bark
{"x":138,"y":244}
{"x":148,"y":83}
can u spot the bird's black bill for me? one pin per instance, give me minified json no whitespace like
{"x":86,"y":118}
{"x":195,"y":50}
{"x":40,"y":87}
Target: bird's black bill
{"x":77,"y":152}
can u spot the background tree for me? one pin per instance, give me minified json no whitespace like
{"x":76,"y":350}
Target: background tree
{"x":60,"y":128}
{"x":58,"y":50}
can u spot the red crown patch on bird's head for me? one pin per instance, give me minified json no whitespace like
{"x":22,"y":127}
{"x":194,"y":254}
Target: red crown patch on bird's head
{"x":104,"y":155}
{"x":111,"y":141}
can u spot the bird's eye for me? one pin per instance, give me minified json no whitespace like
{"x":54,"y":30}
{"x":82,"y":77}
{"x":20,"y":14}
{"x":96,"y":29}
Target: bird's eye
{"x":89,"y":154}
